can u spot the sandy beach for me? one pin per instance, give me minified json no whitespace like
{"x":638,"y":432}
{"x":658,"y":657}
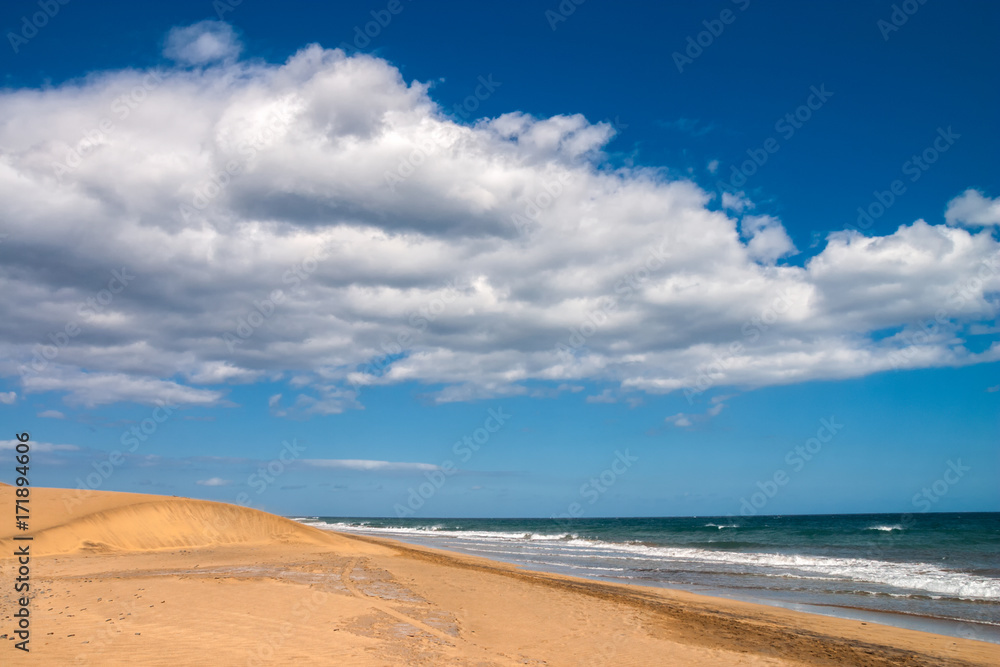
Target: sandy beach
{"x":119,"y":578}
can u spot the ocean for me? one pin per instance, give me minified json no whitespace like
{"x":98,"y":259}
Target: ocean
{"x":936,"y":571}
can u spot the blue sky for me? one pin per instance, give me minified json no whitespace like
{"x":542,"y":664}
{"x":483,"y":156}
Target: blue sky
{"x":379,"y":192}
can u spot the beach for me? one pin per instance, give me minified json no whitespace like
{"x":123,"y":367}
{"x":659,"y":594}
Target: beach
{"x":933,"y":572}
{"x":120,"y":578}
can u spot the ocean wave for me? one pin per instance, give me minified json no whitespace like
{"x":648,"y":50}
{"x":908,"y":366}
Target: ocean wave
{"x":913,"y":577}
{"x":885,"y":529}
{"x":721,"y":526}
{"x":439,"y":531}
{"x":576,"y":567}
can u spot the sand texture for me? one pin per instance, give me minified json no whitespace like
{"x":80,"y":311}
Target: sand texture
{"x":120,"y":578}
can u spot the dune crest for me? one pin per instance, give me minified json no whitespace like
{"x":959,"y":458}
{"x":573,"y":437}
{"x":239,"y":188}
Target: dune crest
{"x":170,"y":523}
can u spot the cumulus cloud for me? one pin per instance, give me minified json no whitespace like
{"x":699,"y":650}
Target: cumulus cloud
{"x":93,"y":389}
{"x":361,"y":464}
{"x":202,"y":43}
{"x":324,"y":221}
{"x":767,"y":239}
{"x":51,"y":414}
{"x":973,"y":209}
{"x":8,"y":397}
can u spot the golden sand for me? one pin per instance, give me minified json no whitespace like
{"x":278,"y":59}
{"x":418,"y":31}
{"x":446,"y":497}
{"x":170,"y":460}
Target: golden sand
{"x":121,"y":578}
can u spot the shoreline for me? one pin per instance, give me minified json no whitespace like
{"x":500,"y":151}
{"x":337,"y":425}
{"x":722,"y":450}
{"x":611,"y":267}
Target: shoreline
{"x":948,"y":627}
{"x":638,"y":591}
{"x":942,"y":625}
{"x":130,"y":578}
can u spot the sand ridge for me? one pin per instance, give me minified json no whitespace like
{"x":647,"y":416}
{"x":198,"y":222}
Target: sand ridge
{"x":105,"y":521}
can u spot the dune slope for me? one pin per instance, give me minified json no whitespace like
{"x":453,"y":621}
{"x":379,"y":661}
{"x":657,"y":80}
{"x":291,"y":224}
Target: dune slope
{"x":108,"y":521}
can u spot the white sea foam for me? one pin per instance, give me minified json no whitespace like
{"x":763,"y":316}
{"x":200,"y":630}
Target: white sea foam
{"x":915,"y":578}
{"x":885,"y":529}
{"x":437,"y":531}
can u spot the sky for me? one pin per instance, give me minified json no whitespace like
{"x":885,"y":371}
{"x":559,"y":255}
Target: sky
{"x":504,"y":260}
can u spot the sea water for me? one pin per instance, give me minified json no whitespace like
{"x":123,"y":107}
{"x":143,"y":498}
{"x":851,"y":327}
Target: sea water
{"x":933,"y":571}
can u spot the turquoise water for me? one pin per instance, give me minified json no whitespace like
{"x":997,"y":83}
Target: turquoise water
{"x":928,"y":568}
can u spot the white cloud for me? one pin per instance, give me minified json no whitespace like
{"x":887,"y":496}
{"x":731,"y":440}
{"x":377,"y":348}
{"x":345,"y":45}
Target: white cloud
{"x":360,"y":464}
{"x":606,"y":396}
{"x":973,"y":209}
{"x":92,"y":389}
{"x":214,"y":372}
{"x":768,"y":240}
{"x":202,"y":43}
{"x":508,"y":236}
{"x":680,"y":419}
{"x":332,"y":400}
{"x":51,"y":414}
{"x":715,"y":409}
{"x":38,"y":446}
{"x":713,"y":166}
{"x":736,"y":201}
{"x":274,"y":405}
{"x":214,"y":481}
{"x":8,"y":397}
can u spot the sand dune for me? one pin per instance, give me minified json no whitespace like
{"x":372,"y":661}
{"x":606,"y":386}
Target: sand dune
{"x":170,"y":524}
{"x":120,"y":578}
{"x":105,"y":521}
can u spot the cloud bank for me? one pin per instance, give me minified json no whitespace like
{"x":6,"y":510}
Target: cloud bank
{"x":171,"y":233}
